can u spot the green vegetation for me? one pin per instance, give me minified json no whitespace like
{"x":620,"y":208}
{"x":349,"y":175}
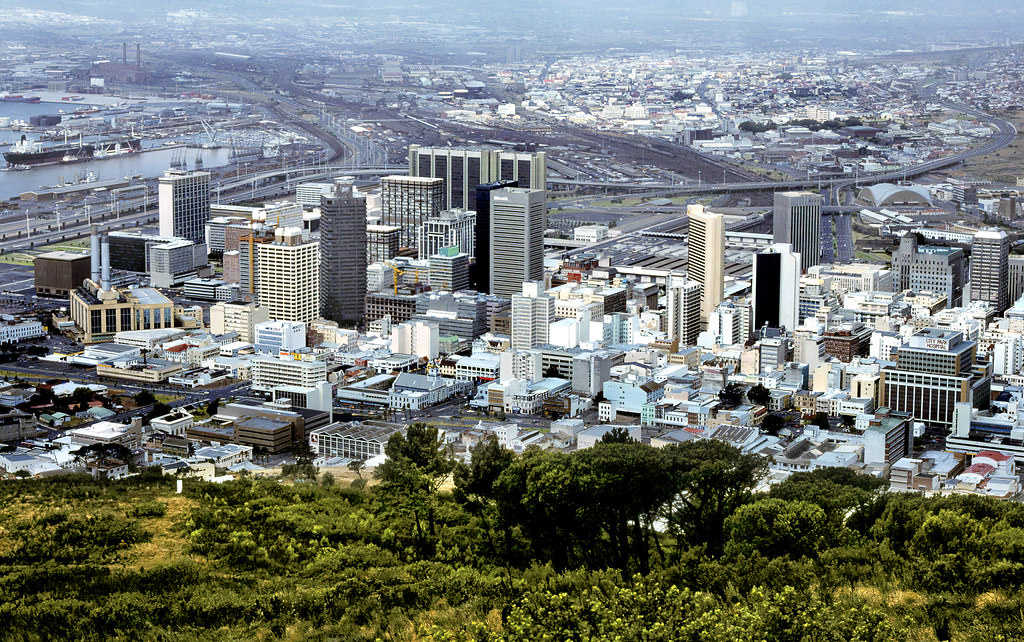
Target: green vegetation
{"x":620,"y":541}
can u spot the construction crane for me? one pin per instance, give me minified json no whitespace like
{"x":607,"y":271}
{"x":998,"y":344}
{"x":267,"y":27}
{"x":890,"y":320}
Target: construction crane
{"x":396,"y":272}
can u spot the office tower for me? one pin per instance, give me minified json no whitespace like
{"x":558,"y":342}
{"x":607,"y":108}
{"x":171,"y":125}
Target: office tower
{"x":682,"y":303}
{"x":532,"y":315}
{"x":382,"y":242}
{"x":730,"y":322}
{"x":249,"y":245}
{"x":407,"y":201}
{"x":342,"y":254}
{"x":308,"y":194}
{"x":1015,"y":280}
{"x":929,"y":268}
{"x":451,"y":228}
{"x":482,"y":242}
{"x":706,"y":258}
{"x":289,"y":276}
{"x":184,"y":202}
{"x":518,"y":218}
{"x":934,"y":371}
{"x":463,"y":169}
{"x":449,"y":270}
{"x":990,"y":268}
{"x":798,"y":222}
{"x":776,"y":288}
{"x":238,"y":317}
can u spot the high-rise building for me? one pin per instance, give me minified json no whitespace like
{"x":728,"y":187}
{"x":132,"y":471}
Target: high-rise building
{"x":382,"y":243}
{"x":990,"y":268}
{"x":289,"y":276}
{"x":451,"y":228}
{"x":533,"y":312}
{"x":929,"y":268}
{"x":518,"y":218}
{"x":935,"y":369}
{"x":238,"y":317}
{"x":342,"y":254}
{"x":249,"y":245}
{"x":1015,"y":280}
{"x":449,"y":270}
{"x":481,"y":276}
{"x":407,"y":201}
{"x":798,"y":222}
{"x":682,"y":303}
{"x":706,"y":258}
{"x":184,"y":202}
{"x":730,"y":322}
{"x":776,"y":288}
{"x":463,"y":169}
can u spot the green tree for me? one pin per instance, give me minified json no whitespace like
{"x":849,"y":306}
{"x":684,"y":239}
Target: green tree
{"x":731,"y":395}
{"x":631,"y":484}
{"x":545,"y":510}
{"x":474,"y":483}
{"x":144,"y":398}
{"x":713,"y":479}
{"x":772,"y":424}
{"x":759,"y":394}
{"x":617,"y":435}
{"x":775,"y":528}
{"x":820,"y":420}
{"x":213,"y":406}
{"x":416,"y":466}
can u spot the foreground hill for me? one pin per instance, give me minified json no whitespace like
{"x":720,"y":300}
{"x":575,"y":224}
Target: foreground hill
{"x":546,"y":546}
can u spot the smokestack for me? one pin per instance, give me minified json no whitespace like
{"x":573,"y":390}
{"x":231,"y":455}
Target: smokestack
{"x":138,"y":55}
{"x":94,"y":243}
{"x":105,"y":266}
{"x":124,"y":53}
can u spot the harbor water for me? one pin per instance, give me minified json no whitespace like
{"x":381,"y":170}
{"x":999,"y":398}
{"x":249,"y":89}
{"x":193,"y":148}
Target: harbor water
{"x":154,"y":160}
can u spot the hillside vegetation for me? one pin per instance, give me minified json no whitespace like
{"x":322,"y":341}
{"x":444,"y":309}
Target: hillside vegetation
{"x":618,"y":542}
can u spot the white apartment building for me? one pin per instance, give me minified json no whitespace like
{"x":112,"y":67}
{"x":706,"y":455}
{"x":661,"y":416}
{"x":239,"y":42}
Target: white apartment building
{"x":289,"y":276}
{"x":269,"y":372}
{"x":238,"y":317}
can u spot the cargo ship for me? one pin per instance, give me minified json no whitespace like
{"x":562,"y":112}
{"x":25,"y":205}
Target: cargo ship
{"x":18,"y":98}
{"x":26,"y":152}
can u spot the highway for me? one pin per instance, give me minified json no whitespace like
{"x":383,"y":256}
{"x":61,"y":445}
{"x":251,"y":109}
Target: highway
{"x":132,"y":213}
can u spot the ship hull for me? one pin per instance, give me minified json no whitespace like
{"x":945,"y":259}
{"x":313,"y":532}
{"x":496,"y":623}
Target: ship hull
{"x":68,"y":153}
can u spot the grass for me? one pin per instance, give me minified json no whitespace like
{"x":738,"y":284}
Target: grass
{"x":17,"y":258}
{"x":1005,"y":165}
{"x":166,"y":398}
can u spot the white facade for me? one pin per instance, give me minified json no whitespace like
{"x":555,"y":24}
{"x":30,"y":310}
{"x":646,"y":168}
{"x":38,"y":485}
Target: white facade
{"x":565,"y":333}
{"x":184,"y":204}
{"x":11,"y":332}
{"x":705,"y":258}
{"x":682,"y":317}
{"x":269,"y":372}
{"x":280,"y":336}
{"x":1008,"y":355}
{"x":237,"y":317}
{"x":532,"y":314}
{"x":449,"y":228}
{"x":418,"y":338}
{"x":289,"y":281}
{"x":590,"y":233}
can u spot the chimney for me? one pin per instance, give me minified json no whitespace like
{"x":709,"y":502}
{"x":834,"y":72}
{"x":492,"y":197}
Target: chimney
{"x":138,"y":55}
{"x":124,"y":53}
{"x":94,"y":242}
{"x":105,"y":265}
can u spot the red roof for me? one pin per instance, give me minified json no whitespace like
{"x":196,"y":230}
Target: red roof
{"x":992,"y":454}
